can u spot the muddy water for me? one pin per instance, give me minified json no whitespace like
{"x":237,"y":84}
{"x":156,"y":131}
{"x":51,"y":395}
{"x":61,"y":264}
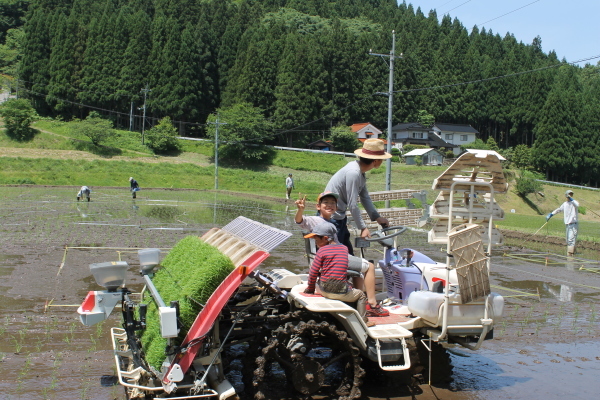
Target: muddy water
{"x":547,"y":346}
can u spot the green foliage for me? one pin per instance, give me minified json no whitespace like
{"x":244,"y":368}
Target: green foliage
{"x":10,"y":52}
{"x":300,"y":161}
{"x":190,"y":274}
{"x":478,"y":144}
{"x":396,"y":151}
{"x":521,"y":157}
{"x":298,"y":62}
{"x":242,"y":132}
{"x":18,"y":115}
{"x":425,"y":119}
{"x":163,"y":137}
{"x":418,"y":160}
{"x":343,"y":139}
{"x":96,"y":129}
{"x":527,"y":183}
{"x":492,"y":145}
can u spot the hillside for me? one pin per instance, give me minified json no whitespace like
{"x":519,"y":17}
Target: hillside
{"x":50,"y":159}
{"x":305,"y":66}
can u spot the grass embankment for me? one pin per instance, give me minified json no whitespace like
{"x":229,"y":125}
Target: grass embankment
{"x":193,"y":167}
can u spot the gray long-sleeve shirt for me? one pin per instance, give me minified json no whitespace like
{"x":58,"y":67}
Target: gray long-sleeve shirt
{"x":570,"y":209}
{"x":350,"y":183}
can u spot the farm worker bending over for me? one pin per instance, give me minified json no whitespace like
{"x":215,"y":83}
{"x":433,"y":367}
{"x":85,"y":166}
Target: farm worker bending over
{"x":350,"y":183}
{"x":570,"y":208}
{"x":134,"y":186}
{"x":289,"y":185}
{"x":84,"y":192}
{"x":327,"y":205}
{"x":329,"y":269}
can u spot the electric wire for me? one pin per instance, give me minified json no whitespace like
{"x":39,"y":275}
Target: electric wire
{"x":510,"y":12}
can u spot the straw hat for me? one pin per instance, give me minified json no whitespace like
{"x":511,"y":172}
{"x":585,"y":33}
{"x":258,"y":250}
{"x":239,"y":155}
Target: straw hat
{"x":373,"y":148}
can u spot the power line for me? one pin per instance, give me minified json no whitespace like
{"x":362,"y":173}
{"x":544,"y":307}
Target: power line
{"x":510,"y":12}
{"x":495,"y":77}
{"x":462,"y":4}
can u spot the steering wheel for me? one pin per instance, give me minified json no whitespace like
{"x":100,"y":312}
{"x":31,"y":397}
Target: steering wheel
{"x":378,"y":236}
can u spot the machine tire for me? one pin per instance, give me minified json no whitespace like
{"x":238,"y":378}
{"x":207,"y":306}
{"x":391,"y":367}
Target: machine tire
{"x":306,"y":359}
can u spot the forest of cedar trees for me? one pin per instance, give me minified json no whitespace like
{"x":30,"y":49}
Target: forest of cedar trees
{"x":305,"y":65}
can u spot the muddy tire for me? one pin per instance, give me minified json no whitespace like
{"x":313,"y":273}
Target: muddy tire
{"x":305,"y":359}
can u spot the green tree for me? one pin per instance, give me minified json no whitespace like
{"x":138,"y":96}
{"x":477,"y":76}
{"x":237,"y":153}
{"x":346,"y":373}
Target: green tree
{"x":477,"y":144}
{"x":18,"y":115}
{"x":528,"y":183}
{"x":11,"y":52}
{"x":36,"y":54}
{"x":95,"y":128}
{"x":521,"y":157}
{"x":425,"y":119}
{"x":491,"y":144}
{"x":558,"y":135}
{"x":242,"y":131}
{"x":343,"y":139}
{"x":163,"y":137}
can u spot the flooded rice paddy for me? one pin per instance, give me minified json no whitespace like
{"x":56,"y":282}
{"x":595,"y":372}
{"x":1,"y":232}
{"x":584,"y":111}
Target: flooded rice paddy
{"x":547,"y":346}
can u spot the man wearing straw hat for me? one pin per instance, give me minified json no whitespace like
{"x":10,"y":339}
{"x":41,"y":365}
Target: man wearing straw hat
{"x":350,"y":183}
{"x":570,"y":207}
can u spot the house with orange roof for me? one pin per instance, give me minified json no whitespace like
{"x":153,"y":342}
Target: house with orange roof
{"x":366,"y":130}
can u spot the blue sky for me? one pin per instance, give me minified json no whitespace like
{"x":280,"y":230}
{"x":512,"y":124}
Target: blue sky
{"x":570,"y":28}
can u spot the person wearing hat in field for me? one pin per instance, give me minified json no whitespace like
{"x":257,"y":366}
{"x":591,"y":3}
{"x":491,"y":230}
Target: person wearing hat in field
{"x":289,"y":185}
{"x":350,"y":183}
{"x":570,"y":209}
{"x":327,"y":205}
{"x":134,"y":187}
{"x":329,"y":269}
{"x":84,"y":192}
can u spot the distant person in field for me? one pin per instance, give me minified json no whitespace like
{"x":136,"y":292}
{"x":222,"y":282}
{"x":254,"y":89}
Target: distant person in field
{"x":350,"y":183}
{"x":289,"y":186}
{"x":570,"y":208}
{"x":84,"y":192}
{"x":135,"y":187}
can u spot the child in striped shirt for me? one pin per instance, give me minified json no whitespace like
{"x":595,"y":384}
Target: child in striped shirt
{"x":329,"y":270}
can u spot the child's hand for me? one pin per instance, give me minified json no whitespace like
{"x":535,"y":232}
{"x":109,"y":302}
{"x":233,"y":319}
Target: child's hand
{"x":300,"y":203}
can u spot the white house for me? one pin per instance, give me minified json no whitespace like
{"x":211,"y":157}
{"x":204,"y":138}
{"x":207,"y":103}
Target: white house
{"x":457,"y":134}
{"x":365,"y":130}
{"x":440,"y":136}
{"x":428,"y":157}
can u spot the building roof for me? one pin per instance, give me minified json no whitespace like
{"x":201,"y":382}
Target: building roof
{"x":484,"y":153}
{"x":408,"y":125}
{"x":357,"y":127}
{"x":456,"y":128}
{"x":418,"y":152}
{"x":436,"y":141}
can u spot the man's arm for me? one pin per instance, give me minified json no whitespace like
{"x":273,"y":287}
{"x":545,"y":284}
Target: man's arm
{"x":353,"y":179}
